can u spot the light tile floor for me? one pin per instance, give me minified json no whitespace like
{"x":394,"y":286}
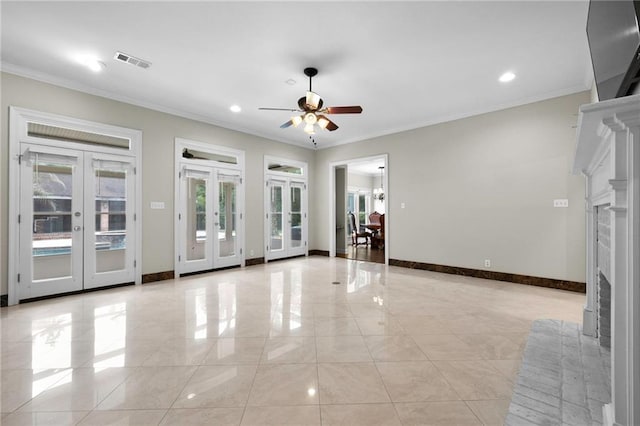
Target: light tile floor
{"x":275,"y":344}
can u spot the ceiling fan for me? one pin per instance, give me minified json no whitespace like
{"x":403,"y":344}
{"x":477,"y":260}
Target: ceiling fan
{"x":312,"y":111}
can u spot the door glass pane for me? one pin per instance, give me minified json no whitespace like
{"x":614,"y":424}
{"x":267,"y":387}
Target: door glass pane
{"x":196,"y":219}
{"x":52,"y":206}
{"x":227,"y":220}
{"x":351,"y":207}
{"x":110,"y":219}
{"x":276,"y":217}
{"x":296,"y":216}
{"x":362,"y":209}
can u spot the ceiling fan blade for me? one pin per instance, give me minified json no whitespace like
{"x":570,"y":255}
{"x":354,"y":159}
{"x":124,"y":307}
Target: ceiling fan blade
{"x":325,"y":123}
{"x":356,"y":109}
{"x":279,"y":109}
{"x":331,"y":126}
{"x":295,"y":121}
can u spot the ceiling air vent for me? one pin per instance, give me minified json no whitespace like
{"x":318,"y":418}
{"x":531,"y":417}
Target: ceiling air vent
{"x":123,"y":57}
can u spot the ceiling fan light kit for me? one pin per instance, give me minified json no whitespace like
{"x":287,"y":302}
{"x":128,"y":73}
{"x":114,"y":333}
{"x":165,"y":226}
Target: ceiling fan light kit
{"x":311,"y":108}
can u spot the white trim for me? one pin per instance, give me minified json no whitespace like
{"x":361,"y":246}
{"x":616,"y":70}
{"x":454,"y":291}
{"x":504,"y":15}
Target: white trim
{"x":62,"y":82}
{"x":458,"y":116}
{"x":589,"y":319}
{"x":359,"y":190}
{"x":18,"y":119}
{"x":213,"y":167}
{"x":73,"y":85}
{"x":332,"y":202}
{"x":303,"y":165}
{"x":607,"y":415}
{"x":92,"y":278}
{"x":608,"y":154}
{"x":288,"y":179}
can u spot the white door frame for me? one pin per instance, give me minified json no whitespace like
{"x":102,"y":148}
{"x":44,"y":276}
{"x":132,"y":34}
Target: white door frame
{"x":30,"y":288}
{"x":18,"y":133}
{"x":185,"y":266}
{"x":332,"y":201}
{"x":288,"y":178}
{"x":92,"y":278}
{"x":215,"y":164}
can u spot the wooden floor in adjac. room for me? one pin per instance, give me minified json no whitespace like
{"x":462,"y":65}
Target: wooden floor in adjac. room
{"x":364,"y":253}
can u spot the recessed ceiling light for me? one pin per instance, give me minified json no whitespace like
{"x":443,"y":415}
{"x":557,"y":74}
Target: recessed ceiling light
{"x":290,"y":82}
{"x":507,"y":77}
{"x":235,"y":108}
{"x":92,"y":63}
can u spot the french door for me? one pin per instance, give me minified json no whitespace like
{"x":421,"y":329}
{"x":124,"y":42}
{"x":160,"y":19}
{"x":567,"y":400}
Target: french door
{"x":209,"y":217}
{"x":77,"y":220}
{"x":286,"y":218}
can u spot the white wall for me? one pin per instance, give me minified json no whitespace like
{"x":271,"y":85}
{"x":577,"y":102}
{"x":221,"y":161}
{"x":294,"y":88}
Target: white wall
{"x":159,"y":130}
{"x":481,"y":188}
{"x":477,"y":188}
{"x":360,"y":181}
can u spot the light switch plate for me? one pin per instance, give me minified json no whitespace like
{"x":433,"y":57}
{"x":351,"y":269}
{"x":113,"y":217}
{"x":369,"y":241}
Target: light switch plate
{"x":562,"y":202}
{"x":157,"y":205}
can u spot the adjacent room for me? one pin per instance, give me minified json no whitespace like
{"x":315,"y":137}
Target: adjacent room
{"x":358,"y":213}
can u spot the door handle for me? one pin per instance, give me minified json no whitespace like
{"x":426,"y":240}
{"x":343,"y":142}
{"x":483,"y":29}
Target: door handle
{"x":77,"y":228}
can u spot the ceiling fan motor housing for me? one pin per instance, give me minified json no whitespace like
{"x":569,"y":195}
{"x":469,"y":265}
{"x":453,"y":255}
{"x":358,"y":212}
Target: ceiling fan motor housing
{"x":310,"y":105}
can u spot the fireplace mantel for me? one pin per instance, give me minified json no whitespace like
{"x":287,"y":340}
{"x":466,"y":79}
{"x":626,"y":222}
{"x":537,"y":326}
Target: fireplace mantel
{"x":608,"y":155}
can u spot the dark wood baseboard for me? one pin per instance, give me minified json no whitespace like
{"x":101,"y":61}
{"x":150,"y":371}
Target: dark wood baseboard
{"x":157,"y":276}
{"x":206,"y":271}
{"x":71,"y":293}
{"x":319,"y":253}
{"x":492,"y":275}
{"x":4,"y":300}
{"x":254,"y":261}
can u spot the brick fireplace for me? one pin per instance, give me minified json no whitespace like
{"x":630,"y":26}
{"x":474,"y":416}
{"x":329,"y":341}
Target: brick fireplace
{"x":608,"y":155}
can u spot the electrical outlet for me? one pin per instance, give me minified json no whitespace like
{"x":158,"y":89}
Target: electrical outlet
{"x":487,"y":263}
{"x":250,"y":252}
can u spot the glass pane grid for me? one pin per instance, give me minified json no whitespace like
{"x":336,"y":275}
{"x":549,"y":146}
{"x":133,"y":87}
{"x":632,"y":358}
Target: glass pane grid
{"x":110,"y":219}
{"x":52,"y":241}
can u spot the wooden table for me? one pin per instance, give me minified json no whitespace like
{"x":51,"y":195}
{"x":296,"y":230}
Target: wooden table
{"x":375,"y":227}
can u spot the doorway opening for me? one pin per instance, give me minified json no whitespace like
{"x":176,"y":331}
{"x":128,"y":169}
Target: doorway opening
{"x":358,"y":202}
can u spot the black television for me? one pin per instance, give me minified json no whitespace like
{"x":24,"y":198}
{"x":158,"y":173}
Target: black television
{"x":613,"y":31}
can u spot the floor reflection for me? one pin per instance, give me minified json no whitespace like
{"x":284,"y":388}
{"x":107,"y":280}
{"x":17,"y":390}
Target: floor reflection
{"x":227,"y":308}
{"x":110,"y":330}
{"x":277,"y":339}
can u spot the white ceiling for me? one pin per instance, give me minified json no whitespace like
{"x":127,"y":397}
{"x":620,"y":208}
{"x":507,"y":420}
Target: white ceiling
{"x":408,"y":64}
{"x":366,"y":167}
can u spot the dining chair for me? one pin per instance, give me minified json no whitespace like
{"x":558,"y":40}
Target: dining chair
{"x":374,"y":218}
{"x":356,"y":232}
